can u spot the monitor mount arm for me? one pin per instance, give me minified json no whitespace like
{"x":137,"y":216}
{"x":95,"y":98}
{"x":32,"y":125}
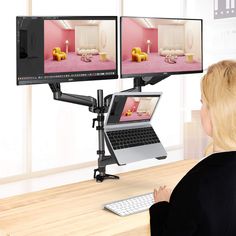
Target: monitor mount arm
{"x":140,"y":82}
{"x":100,"y":106}
{"x":72,"y":98}
{"x":96,"y":106}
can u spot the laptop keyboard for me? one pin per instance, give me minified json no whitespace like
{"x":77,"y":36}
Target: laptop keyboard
{"x":127,"y":138}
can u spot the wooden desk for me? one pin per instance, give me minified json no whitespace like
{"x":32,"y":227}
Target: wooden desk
{"x":77,"y":209}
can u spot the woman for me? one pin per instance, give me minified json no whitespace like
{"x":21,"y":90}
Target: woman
{"x":204,"y":201}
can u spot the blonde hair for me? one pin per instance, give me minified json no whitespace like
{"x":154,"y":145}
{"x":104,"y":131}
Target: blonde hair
{"x":218,"y":88}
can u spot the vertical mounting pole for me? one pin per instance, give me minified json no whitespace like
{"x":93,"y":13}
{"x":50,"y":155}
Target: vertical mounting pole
{"x":103,"y":160}
{"x":100,"y":118}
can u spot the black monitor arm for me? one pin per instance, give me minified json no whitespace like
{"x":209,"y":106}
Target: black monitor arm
{"x":152,"y":80}
{"x":139,"y":82}
{"x":73,"y":98}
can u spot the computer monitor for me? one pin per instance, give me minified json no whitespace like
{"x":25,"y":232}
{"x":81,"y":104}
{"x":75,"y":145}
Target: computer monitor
{"x":65,"y":49}
{"x":160,"y":46}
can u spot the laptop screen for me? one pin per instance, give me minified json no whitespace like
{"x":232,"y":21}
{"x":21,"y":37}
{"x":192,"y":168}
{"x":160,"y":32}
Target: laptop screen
{"x":132,"y":108}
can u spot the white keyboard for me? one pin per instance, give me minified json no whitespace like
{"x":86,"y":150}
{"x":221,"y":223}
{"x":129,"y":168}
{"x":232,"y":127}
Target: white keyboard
{"x":131,"y":205}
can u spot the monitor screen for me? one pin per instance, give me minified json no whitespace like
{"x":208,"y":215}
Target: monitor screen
{"x":64,"y":49}
{"x":132,"y":108}
{"x":154,"y":46}
{"x":138,"y":108}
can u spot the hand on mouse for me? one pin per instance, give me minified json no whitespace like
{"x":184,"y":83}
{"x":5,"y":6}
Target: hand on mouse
{"x":162,"y":194}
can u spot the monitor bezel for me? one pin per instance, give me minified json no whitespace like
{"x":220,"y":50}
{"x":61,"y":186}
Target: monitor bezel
{"x":149,"y":75}
{"x":54,"y":76}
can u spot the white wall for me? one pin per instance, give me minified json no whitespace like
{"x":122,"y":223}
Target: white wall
{"x":219,"y":37}
{"x":13,"y":118}
{"x":158,"y":8}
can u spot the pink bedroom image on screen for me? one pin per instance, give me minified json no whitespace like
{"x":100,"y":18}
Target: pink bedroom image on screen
{"x":152,"y":45}
{"x":138,"y":108}
{"x":79,"y":45}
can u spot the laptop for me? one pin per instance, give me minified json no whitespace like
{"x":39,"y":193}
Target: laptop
{"x":129,"y":134}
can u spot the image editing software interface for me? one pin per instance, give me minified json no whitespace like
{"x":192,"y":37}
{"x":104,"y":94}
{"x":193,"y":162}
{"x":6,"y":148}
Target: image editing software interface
{"x":132,"y":109}
{"x":64,"y":49}
{"x":154,"y":46}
